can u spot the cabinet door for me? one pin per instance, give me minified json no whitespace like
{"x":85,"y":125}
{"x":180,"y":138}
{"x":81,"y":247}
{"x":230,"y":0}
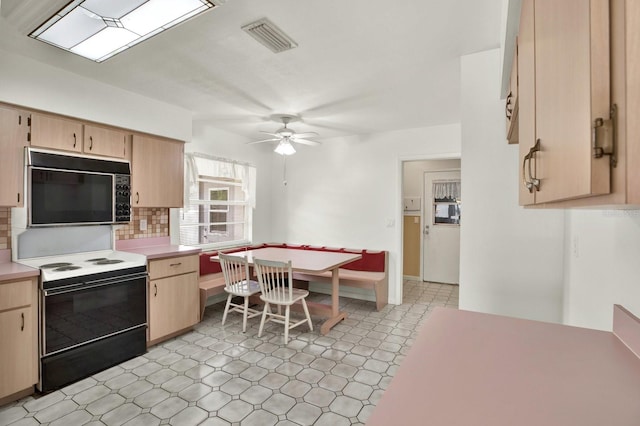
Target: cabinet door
{"x":13,"y":139}
{"x":103,"y":141}
{"x":526,"y":98}
{"x":17,"y":369}
{"x":571,"y":91}
{"x":173,"y":304}
{"x":157,"y":172}
{"x":512,"y":100}
{"x":56,"y":133}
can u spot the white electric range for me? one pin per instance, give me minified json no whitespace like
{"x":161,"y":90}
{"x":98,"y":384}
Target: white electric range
{"x":93,"y":313}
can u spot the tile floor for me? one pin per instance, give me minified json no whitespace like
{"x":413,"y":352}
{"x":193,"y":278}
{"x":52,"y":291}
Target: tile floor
{"x":217,"y":375}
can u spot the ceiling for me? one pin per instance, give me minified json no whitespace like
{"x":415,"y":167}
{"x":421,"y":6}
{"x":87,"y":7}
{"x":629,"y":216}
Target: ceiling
{"x":361,"y":66}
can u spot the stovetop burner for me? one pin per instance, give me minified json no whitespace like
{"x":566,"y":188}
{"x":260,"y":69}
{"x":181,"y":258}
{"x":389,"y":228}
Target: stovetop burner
{"x":55,"y":265}
{"x":108,"y":261}
{"x":67,"y":268}
{"x":72,"y":265}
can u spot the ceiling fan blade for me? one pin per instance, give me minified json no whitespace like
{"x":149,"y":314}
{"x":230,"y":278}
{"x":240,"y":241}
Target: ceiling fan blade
{"x":305,"y":134}
{"x":264,"y":140}
{"x":269,"y":133}
{"x":306,"y":142}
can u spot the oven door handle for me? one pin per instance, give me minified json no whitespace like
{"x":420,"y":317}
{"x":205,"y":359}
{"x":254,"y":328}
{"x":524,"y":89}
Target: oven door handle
{"x":118,"y":279}
{"x":94,"y":284}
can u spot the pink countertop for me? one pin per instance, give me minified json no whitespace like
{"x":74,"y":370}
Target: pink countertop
{"x":14,"y":271}
{"x":155,"y":248}
{"x":468,"y":368}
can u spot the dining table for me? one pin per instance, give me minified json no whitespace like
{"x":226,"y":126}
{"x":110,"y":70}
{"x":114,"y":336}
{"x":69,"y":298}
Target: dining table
{"x":312,"y":262}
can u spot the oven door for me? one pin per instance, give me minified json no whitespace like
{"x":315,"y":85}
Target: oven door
{"x":77,"y":314}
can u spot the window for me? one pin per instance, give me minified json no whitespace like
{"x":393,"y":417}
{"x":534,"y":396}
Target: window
{"x":219,"y":202}
{"x":446,"y":202}
{"x":218,"y":213}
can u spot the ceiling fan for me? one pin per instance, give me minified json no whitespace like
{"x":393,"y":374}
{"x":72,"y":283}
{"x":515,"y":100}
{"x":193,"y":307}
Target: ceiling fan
{"x":285,"y":136}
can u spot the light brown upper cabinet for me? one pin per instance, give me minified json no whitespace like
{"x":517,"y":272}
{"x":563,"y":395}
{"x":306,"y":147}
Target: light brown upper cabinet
{"x":49,"y":131}
{"x":512,"y":104}
{"x":157,"y":172}
{"x":563,"y":96}
{"x":13,"y":139}
{"x":104,"y":141}
{"x":60,"y":133}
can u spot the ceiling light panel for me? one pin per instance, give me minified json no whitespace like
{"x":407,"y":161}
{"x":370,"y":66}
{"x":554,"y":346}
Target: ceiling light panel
{"x":99,"y":29}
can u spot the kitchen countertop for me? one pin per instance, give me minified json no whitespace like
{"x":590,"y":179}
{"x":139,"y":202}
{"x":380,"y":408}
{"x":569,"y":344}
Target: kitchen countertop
{"x":155,"y":248}
{"x":14,"y":271}
{"x":469,"y":368}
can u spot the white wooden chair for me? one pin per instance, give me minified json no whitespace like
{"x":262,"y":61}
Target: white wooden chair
{"x":238,"y":283}
{"x":276,"y":285}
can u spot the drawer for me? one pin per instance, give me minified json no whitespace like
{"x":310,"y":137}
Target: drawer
{"x":15,"y":294}
{"x":173,"y":266}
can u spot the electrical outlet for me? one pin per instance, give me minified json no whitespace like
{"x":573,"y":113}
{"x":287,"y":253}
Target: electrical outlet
{"x":143,"y":224}
{"x":575,"y":247}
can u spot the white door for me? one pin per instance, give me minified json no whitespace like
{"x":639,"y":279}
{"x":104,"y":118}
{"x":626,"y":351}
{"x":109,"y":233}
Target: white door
{"x":441,"y":231}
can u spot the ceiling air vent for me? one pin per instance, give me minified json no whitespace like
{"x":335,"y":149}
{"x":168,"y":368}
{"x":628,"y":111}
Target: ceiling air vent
{"x":271,"y":36}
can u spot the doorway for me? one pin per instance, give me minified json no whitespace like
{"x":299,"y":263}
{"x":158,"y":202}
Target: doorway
{"x":415,"y":217}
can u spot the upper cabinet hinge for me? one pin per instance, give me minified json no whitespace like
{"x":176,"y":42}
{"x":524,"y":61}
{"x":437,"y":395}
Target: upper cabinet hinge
{"x":604,"y":137}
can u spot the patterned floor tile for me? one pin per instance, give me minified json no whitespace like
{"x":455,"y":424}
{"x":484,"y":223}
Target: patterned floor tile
{"x":216,"y":375}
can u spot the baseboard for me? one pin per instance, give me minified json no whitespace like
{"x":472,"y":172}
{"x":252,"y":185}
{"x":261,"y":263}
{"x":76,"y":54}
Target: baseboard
{"x":217,"y":298}
{"x":411,"y":277}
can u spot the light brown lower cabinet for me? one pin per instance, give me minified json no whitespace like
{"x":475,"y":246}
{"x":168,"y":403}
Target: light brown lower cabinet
{"x":18,"y":338}
{"x":174,"y":301}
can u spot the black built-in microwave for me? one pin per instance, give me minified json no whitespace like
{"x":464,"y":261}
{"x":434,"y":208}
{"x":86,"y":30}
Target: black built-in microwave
{"x":73,"y":190}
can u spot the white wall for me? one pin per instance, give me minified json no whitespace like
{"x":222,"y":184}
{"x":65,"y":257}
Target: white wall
{"x":33,"y":84}
{"x":511,"y":259}
{"x":347,"y":192}
{"x":602,"y":266}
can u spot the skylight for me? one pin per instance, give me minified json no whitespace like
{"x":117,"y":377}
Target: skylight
{"x":99,"y":29}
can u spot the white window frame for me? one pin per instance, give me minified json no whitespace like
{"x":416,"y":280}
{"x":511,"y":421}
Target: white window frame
{"x":232,"y":174}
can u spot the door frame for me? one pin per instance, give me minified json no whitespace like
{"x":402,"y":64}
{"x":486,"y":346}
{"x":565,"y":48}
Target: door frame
{"x":395,"y":293}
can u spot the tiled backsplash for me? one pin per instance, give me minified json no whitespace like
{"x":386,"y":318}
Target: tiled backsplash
{"x":5,"y":228}
{"x":157,"y":224}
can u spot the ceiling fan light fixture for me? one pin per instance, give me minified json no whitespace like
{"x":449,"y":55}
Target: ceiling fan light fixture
{"x":98,"y":30}
{"x":285,"y":148}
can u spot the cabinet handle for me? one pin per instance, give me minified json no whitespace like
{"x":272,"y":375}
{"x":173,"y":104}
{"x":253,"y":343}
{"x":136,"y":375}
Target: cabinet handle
{"x":74,"y":140}
{"x":508,"y":111}
{"x":90,"y":143}
{"x":175,"y":264}
{"x":22,"y":327}
{"x":532,"y":182}
{"x":155,"y":286}
{"x":18,"y":197}
{"x":137,"y":197}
